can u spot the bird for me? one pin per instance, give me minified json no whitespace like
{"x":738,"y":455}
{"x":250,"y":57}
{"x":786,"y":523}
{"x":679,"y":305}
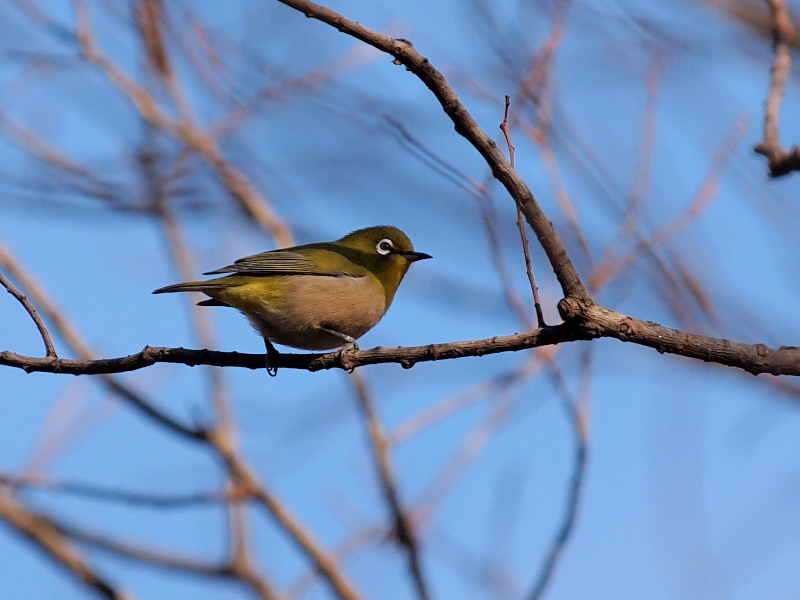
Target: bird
{"x":318,"y":296}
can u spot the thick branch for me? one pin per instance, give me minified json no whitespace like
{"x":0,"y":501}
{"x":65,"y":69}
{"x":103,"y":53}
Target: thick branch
{"x":406,"y":356}
{"x":584,"y":322}
{"x":753,"y":358}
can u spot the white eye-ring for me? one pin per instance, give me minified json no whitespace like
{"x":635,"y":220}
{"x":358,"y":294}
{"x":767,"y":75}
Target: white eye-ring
{"x":384,"y":247}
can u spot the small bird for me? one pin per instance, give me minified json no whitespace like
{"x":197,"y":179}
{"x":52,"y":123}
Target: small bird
{"x":316,"y":296}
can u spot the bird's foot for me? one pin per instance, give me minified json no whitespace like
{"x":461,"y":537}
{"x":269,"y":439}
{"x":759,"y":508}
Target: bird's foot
{"x":344,"y":359}
{"x":272,"y":359}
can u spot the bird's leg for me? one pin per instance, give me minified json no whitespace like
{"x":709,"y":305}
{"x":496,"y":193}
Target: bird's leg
{"x":350,"y":344}
{"x":272,"y":358}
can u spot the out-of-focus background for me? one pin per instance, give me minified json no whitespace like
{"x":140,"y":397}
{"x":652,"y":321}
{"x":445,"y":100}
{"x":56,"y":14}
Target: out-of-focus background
{"x":170,"y":138}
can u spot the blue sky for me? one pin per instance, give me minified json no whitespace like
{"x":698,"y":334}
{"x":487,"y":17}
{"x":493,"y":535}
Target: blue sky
{"x":691,"y":488}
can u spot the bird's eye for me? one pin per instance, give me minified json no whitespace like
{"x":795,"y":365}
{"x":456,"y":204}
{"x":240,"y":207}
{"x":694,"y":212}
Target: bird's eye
{"x":384,"y":247}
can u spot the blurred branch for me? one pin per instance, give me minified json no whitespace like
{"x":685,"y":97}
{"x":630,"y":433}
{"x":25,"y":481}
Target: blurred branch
{"x":52,"y":535}
{"x":567,"y":526}
{"x":139,"y":553}
{"x":93,"y":492}
{"x":577,"y":410}
{"x":241,"y":189}
{"x":325,"y":564}
{"x":467,"y":452}
{"x":680,"y":283}
{"x":487,"y":388}
{"x":75,"y":341}
{"x":71,"y":174}
{"x":47,"y":537}
{"x":380,"y":442}
{"x":239,"y":541}
{"x":781,"y":161}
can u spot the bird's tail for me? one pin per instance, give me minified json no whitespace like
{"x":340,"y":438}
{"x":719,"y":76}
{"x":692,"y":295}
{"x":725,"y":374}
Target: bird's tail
{"x":189,"y":286}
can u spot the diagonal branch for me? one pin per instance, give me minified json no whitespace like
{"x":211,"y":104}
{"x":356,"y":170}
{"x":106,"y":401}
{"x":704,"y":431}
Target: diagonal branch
{"x":380,"y":442}
{"x":75,"y":341}
{"x":405,"y":54}
{"x":241,"y":189}
{"x":324,"y":562}
{"x":37,"y":320}
{"x":47,"y":537}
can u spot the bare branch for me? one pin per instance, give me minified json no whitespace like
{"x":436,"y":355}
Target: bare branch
{"x":47,"y":537}
{"x":48,"y":343}
{"x":380,"y":442}
{"x":753,"y":358}
{"x":520,"y":225}
{"x":588,"y":322}
{"x":781,"y":161}
{"x":405,"y":54}
{"x":577,"y":414}
{"x":406,"y":356}
{"x":241,"y":189}
{"x":71,"y":335}
{"x":104,"y":494}
{"x":244,"y":475}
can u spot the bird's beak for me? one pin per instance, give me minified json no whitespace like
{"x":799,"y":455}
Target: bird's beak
{"x":414,"y":256}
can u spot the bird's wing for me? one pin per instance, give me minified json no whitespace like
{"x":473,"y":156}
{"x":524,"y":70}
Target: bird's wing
{"x":287,"y":262}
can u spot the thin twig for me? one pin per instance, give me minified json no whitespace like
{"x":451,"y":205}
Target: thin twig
{"x":73,"y":338}
{"x":480,"y":192}
{"x":465,"y":398}
{"x":521,"y":225}
{"x":93,"y":492}
{"x":467,"y":452}
{"x":380,"y":443}
{"x":37,"y":320}
{"x":781,"y":161}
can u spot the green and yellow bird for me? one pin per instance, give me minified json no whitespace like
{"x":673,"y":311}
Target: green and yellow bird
{"x":316,"y":296}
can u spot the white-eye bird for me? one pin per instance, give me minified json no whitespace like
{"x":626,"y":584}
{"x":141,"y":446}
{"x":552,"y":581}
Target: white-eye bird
{"x":316,"y":296}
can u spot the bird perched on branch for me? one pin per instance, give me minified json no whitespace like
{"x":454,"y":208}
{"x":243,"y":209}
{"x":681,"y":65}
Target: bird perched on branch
{"x":316,"y":296}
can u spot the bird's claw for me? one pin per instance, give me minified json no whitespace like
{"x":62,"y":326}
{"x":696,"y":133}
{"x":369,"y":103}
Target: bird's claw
{"x":272,"y":359}
{"x":344,"y":360}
